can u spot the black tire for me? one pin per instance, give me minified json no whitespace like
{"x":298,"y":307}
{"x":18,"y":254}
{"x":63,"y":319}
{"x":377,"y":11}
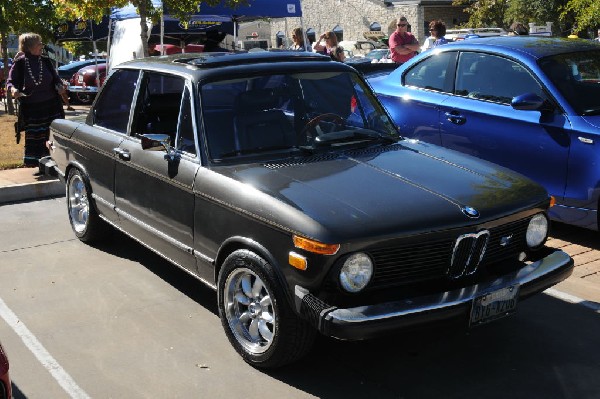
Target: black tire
{"x":85,"y":98}
{"x":83,"y":216}
{"x":256,"y":317}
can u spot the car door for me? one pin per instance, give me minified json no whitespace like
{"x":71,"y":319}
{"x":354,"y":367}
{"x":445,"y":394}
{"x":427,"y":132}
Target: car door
{"x":480,"y":121}
{"x":413,"y":99}
{"x":106,"y":129}
{"x":153,"y":188}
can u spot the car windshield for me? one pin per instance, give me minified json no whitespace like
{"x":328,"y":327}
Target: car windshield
{"x":376,"y":54}
{"x":268,"y":115}
{"x":577,"y":77}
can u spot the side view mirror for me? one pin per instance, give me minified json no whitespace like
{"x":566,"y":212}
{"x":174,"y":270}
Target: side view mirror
{"x":156,"y":142}
{"x":159,"y":142}
{"x":530,"y":102}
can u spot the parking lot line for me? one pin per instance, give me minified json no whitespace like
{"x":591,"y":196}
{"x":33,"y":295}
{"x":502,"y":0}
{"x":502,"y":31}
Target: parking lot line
{"x":31,"y":342}
{"x":573,"y":299}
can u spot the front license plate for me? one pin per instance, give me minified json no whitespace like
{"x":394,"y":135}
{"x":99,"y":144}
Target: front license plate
{"x":494,"y":305}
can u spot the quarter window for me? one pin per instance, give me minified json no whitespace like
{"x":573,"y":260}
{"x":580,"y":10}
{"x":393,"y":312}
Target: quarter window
{"x":493,"y":78}
{"x":114,"y":104}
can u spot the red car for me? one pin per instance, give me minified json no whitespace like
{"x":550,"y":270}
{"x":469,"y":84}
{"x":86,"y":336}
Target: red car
{"x":5,"y":387}
{"x":84,"y":84}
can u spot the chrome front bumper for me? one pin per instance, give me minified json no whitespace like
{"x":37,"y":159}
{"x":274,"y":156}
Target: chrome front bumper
{"x":369,"y":321}
{"x":82,"y":89}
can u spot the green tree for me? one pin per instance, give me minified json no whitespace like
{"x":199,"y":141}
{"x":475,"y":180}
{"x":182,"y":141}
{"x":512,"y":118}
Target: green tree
{"x":95,"y":9}
{"x":539,"y":12}
{"x":484,"y":13}
{"x":24,"y":16}
{"x":502,"y":13}
{"x":584,"y":14}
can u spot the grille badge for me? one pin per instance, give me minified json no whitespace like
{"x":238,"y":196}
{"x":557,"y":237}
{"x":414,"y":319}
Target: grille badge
{"x":470,"y":211}
{"x":504,"y":241}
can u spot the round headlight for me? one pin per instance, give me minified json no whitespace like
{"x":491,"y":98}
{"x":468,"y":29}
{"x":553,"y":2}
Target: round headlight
{"x":537,"y":230}
{"x":356,"y":272}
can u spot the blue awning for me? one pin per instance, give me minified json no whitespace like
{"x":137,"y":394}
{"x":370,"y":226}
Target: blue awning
{"x":254,"y":9}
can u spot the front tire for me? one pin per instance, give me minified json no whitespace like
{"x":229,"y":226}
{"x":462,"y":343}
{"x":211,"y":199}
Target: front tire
{"x":85,"y":98}
{"x":256,"y":316}
{"x":83,"y":217}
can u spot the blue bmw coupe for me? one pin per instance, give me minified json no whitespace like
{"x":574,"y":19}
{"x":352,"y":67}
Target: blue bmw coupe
{"x":531,"y":104}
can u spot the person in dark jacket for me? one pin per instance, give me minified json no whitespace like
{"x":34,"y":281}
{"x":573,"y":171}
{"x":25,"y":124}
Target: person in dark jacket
{"x":33,"y":80}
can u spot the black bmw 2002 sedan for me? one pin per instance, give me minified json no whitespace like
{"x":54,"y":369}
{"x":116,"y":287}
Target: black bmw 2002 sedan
{"x":278,"y":180}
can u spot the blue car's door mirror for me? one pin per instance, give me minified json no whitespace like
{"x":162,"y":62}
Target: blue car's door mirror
{"x":529,"y":102}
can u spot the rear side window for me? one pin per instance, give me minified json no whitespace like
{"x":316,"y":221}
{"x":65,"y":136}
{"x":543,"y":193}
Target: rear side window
{"x":492,"y":78}
{"x":114,"y":104}
{"x":431,"y":73}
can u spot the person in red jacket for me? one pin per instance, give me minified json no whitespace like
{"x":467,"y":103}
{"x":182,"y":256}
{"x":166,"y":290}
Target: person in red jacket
{"x":403,"y":44}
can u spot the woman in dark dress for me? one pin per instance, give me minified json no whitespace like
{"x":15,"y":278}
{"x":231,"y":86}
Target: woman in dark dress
{"x":34,"y":81}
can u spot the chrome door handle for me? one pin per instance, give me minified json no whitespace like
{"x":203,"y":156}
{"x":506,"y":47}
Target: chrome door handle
{"x":455,"y":117}
{"x":123,"y":154}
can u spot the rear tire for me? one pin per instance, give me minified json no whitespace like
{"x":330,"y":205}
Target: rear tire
{"x":83,"y":217}
{"x":256,"y":316}
{"x":85,"y":98}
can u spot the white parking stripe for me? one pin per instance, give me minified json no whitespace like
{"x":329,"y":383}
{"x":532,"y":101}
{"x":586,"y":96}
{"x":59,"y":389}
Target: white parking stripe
{"x":573,"y":299}
{"x":60,"y":375}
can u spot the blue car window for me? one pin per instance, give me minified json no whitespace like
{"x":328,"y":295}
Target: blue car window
{"x":492,"y":78}
{"x":431,"y":73}
{"x":577,"y":77}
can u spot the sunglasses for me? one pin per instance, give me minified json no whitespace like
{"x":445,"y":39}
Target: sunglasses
{"x":402,"y":24}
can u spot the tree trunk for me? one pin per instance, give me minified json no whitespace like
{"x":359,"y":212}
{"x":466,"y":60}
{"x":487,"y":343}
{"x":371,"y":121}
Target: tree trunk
{"x":4,"y":46}
{"x":144,"y":34}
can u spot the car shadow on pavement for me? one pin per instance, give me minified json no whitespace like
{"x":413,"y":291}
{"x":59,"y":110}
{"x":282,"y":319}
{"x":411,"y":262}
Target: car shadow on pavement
{"x":546,"y":350}
{"x":576,"y":235}
{"x":125,"y":247}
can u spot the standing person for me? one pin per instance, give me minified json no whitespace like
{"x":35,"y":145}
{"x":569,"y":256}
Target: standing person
{"x":328,"y":45}
{"x":298,"y":39}
{"x":403,"y":44}
{"x":518,"y":29}
{"x":34,"y":81}
{"x":437,"y":29}
{"x":598,"y":38}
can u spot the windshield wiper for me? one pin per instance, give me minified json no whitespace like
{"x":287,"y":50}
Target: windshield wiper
{"x":352,"y":136}
{"x":258,"y":150}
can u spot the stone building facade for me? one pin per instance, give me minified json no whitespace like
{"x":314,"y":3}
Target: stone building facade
{"x":355,"y":17}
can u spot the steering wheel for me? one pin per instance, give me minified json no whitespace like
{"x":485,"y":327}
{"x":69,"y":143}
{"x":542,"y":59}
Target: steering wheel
{"x":313,"y":124}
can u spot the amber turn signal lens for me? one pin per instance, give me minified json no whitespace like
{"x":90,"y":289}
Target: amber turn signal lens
{"x":315,"y":246}
{"x":552,"y":201}
{"x":297,"y":261}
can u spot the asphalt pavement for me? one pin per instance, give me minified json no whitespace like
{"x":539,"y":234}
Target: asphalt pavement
{"x":24,"y":184}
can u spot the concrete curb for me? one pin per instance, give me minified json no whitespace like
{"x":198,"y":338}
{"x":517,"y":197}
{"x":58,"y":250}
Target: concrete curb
{"x":32,"y":191}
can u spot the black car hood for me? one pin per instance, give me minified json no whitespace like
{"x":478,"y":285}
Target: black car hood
{"x":379,"y":191}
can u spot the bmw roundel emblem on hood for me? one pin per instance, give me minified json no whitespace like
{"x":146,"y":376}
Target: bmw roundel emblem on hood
{"x":470,"y":212}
